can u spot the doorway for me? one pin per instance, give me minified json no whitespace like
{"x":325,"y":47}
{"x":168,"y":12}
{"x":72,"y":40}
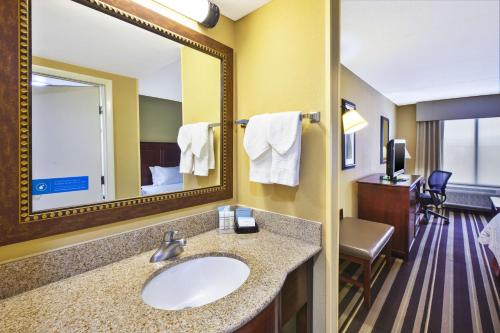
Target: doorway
{"x":69,"y":142}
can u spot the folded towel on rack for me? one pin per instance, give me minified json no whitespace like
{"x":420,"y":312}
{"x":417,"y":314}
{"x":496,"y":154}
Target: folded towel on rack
{"x":196,"y":142}
{"x":200,"y":145}
{"x":282,"y":130}
{"x":206,"y":160}
{"x":199,"y":137}
{"x":258,"y":149}
{"x":211,"y":151}
{"x":285,"y":137}
{"x":184,"y":141}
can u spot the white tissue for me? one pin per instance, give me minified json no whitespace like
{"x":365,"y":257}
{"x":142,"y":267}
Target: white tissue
{"x":246,"y":222}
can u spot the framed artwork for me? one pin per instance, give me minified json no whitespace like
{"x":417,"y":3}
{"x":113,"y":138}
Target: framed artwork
{"x":384,"y":138}
{"x":348,"y":141}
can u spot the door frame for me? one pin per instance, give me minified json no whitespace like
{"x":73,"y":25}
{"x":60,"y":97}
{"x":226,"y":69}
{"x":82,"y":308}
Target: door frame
{"x":106,"y":101}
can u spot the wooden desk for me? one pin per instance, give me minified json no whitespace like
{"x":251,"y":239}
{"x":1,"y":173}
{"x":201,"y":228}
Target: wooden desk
{"x":392,"y":203}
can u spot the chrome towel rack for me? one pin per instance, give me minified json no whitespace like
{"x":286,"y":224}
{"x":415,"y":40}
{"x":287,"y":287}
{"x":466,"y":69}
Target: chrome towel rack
{"x":314,"y":118}
{"x":213,"y":125}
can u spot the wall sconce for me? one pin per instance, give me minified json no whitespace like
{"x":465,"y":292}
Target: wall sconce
{"x":407,"y":154}
{"x":202,"y":11}
{"x":353,"y":121}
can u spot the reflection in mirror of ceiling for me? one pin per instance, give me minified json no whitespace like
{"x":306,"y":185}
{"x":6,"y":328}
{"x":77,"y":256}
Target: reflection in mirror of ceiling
{"x":413,"y":51}
{"x":71,"y":33}
{"x":164,"y":83}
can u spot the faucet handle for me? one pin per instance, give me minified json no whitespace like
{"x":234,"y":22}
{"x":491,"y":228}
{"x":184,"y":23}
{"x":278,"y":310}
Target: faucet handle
{"x":169,"y":235}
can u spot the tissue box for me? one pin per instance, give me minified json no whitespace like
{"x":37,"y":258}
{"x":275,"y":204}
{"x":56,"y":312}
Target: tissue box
{"x":243,"y":212}
{"x":246,"y":225}
{"x":246,"y":222}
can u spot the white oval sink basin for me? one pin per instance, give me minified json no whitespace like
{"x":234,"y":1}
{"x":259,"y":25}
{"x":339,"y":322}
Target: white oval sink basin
{"x":195,"y":283}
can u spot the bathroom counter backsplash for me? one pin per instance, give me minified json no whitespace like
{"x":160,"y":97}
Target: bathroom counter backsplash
{"x":109,"y":298}
{"x":38,"y":270}
{"x":35,"y":271}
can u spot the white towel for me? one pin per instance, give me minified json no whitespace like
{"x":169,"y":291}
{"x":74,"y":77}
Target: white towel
{"x":202,"y":148}
{"x":285,"y":137}
{"x":258,"y":149}
{"x":211,"y":152}
{"x":196,"y":142}
{"x":199,"y":138}
{"x":184,"y":141}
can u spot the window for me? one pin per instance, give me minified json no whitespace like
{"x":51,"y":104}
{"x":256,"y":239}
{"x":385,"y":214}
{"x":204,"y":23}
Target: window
{"x":471,"y":150}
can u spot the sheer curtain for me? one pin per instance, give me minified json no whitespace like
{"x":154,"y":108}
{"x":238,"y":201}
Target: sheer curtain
{"x":429,"y":147}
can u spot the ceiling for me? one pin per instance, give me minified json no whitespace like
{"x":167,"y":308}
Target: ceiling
{"x":95,"y":40}
{"x":236,"y":9}
{"x":71,"y":33}
{"x":413,"y":51}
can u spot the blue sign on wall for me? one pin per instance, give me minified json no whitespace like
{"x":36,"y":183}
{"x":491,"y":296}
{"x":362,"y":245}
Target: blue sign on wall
{"x":59,"y":185}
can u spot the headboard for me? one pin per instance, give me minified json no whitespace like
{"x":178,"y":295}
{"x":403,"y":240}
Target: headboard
{"x":165,"y":154}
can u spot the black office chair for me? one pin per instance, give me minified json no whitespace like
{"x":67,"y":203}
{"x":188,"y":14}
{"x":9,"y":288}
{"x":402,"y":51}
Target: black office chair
{"x":435,"y":194}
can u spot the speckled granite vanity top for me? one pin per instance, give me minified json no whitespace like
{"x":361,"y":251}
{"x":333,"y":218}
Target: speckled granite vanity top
{"x":109,"y":298}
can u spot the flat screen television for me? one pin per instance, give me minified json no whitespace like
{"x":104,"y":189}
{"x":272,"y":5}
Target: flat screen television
{"x":395,"y":158}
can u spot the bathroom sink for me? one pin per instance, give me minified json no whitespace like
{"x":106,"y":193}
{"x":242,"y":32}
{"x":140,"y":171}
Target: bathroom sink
{"x":195,"y":283}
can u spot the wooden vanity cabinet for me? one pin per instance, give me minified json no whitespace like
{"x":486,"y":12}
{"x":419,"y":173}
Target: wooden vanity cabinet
{"x":294,"y":302}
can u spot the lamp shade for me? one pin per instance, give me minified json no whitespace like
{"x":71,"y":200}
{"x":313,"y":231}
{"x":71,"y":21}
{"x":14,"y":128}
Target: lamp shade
{"x":353,"y":121}
{"x":407,"y":154}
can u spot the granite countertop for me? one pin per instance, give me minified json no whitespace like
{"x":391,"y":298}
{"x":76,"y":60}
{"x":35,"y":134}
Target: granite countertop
{"x":109,"y":298}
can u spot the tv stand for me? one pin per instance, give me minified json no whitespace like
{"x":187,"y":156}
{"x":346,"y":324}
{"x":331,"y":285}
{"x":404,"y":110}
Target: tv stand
{"x":393,"y":203}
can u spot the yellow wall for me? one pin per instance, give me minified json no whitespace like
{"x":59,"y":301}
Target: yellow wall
{"x":201,"y":91}
{"x":160,"y":119}
{"x":223,"y":32}
{"x":125,"y":125}
{"x":286,"y":58}
{"x":406,"y":128}
{"x":371,"y":105}
{"x":281,"y":66}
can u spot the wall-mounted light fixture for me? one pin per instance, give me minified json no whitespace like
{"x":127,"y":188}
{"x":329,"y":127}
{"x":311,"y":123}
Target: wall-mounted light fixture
{"x":407,"y":154}
{"x":352,"y":121}
{"x":202,"y":11}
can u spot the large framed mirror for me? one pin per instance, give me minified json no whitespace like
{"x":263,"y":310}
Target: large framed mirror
{"x":122,"y":113}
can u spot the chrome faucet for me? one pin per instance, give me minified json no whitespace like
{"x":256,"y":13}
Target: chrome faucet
{"x":169,"y":247}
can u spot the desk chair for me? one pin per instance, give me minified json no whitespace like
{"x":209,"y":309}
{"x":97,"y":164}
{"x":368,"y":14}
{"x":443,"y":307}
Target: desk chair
{"x":435,"y":194}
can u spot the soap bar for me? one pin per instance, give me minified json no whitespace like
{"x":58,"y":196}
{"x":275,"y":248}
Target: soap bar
{"x":246,"y":222}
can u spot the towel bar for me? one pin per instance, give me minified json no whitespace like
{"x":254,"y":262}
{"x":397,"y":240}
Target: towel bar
{"x":213,"y":125}
{"x":314,"y":117}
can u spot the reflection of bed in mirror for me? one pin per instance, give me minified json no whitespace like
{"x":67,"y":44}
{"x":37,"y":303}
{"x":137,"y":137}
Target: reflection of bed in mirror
{"x":165,"y":155}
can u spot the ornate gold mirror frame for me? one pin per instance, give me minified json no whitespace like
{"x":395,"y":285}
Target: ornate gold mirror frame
{"x":17,"y":220}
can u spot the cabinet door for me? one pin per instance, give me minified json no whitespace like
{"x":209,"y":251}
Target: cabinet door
{"x":265,"y":322}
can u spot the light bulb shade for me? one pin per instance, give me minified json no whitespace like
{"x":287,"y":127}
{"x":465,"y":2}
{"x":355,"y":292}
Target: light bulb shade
{"x":353,"y":121}
{"x":407,"y":154}
{"x":202,"y":11}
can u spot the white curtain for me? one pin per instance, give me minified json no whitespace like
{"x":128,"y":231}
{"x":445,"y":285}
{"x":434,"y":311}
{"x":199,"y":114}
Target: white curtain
{"x":429,"y":147}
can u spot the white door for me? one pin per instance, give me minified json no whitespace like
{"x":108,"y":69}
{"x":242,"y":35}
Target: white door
{"x":66,"y":146}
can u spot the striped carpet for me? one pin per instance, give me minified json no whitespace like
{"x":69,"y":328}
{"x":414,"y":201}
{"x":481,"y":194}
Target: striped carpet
{"x":445,"y":286}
